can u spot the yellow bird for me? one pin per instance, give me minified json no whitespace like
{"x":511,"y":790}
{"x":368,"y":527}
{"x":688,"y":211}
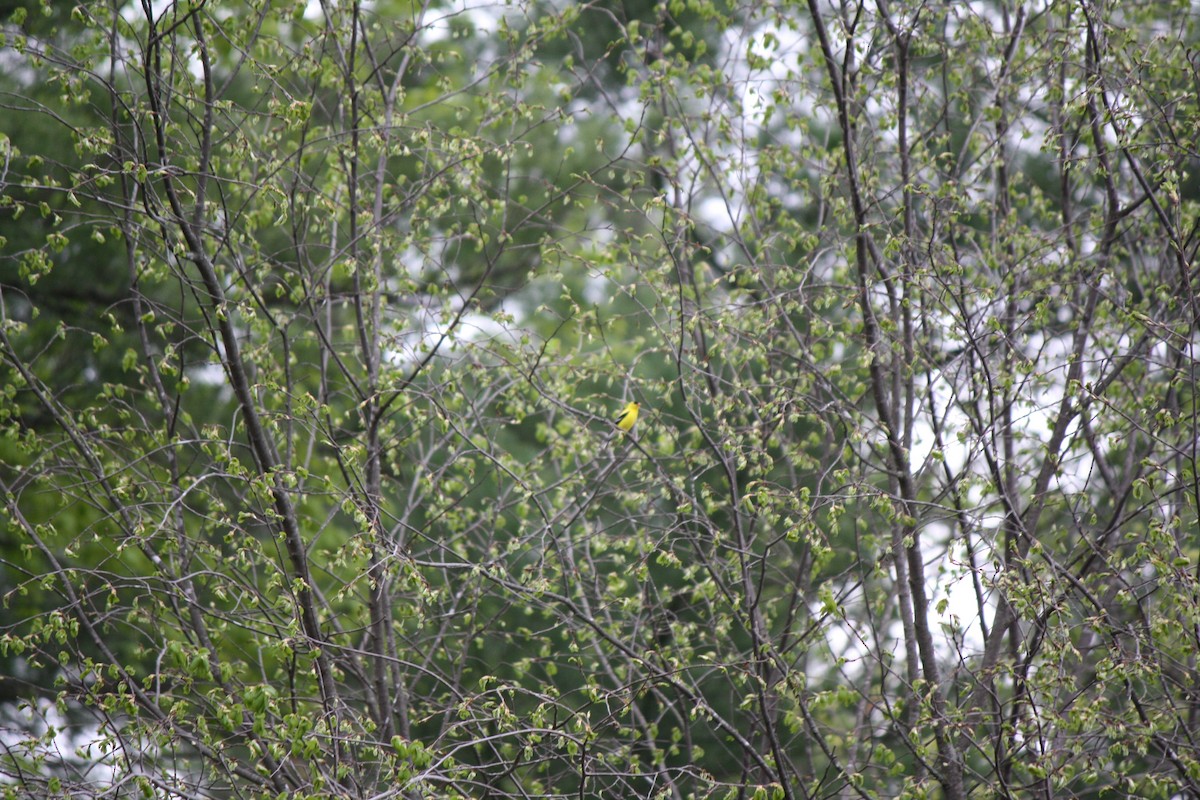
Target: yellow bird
{"x":628,"y":416}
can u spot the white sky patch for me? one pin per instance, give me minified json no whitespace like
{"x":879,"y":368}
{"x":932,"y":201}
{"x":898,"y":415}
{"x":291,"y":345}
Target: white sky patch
{"x":438,"y":326}
{"x":1037,"y":403}
{"x":856,"y":636}
{"x":72,"y":744}
{"x":207,"y":374}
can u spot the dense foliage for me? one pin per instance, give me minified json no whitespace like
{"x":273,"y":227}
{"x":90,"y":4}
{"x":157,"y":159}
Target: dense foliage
{"x":314,"y":316}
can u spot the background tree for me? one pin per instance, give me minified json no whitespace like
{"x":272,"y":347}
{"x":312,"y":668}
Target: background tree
{"x":314,"y":318}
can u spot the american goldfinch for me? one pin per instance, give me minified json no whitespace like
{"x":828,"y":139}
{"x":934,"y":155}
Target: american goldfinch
{"x":628,"y":417}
